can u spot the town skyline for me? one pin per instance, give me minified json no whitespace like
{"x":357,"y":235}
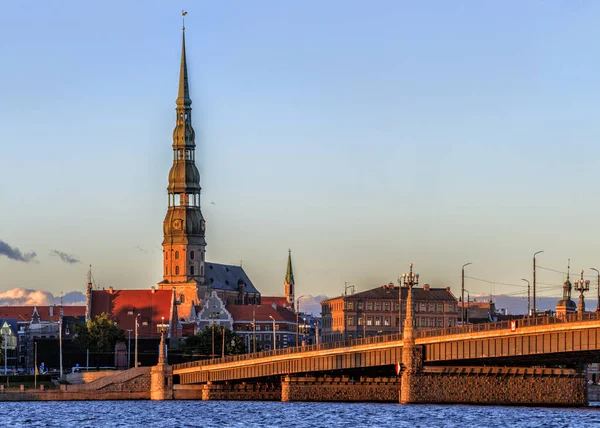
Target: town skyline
{"x":357,"y":211}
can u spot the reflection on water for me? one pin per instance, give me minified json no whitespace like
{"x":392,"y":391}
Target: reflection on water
{"x":276,"y":414}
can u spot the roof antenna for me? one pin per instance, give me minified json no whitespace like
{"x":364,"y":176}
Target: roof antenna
{"x":183,"y":13}
{"x":568,"y":268}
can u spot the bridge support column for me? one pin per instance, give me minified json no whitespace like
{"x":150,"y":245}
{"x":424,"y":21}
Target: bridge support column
{"x":161,"y":376}
{"x":412,"y":359}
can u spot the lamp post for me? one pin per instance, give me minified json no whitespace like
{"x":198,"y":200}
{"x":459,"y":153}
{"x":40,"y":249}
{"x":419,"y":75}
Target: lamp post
{"x":462,"y":294}
{"x":410,"y":280}
{"x":223,"y":342}
{"x":598,"y":272}
{"x":298,"y":311}
{"x":136,"y":340}
{"x":316,"y":331}
{"x":528,"y":297}
{"x":399,"y":306}
{"x":129,"y":348}
{"x":581,"y":286}
{"x":274,"y":338}
{"x":534,"y":303}
{"x":162,"y":329}
{"x":468,"y":305}
{"x":35,"y":367}
{"x":5,"y":337}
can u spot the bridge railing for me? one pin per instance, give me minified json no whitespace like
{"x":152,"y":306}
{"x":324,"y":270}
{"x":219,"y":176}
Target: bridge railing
{"x":289,"y":351}
{"x":505,"y":325}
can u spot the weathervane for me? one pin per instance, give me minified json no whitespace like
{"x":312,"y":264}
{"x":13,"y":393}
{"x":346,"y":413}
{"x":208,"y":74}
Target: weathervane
{"x":183,"y":13}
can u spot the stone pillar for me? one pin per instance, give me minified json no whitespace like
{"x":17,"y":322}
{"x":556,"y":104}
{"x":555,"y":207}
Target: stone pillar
{"x":580,"y":307}
{"x":412,"y":355}
{"x":211,"y":391}
{"x":161,"y":376}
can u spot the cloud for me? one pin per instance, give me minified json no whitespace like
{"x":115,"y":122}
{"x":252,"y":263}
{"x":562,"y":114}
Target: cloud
{"x":67,"y":258}
{"x":14,"y":253}
{"x":28,"y":297}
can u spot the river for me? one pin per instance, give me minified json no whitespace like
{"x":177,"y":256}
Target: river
{"x":247,"y":414}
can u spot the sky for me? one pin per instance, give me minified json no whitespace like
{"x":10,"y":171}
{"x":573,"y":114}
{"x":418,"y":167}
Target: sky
{"x":361,"y":135}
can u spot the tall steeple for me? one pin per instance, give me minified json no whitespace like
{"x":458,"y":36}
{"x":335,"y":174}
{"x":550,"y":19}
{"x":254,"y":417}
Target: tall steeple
{"x":289,"y":281}
{"x":184,"y":243}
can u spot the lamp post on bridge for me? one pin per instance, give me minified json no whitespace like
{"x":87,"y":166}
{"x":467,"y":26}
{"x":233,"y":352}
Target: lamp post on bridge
{"x":581,"y":286}
{"x":136,"y":340}
{"x":274,"y":337}
{"x":528,"y":297}
{"x":162,"y":329}
{"x":409,"y":280}
{"x":534,"y":303}
{"x":462,"y":295}
{"x":598,"y":272}
{"x":297,"y":313}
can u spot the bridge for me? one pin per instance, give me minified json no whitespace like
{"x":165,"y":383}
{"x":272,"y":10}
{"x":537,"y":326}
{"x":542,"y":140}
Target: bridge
{"x":544,"y":352}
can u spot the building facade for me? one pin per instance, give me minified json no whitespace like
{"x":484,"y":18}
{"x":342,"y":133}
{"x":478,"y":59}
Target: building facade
{"x":381,"y":311}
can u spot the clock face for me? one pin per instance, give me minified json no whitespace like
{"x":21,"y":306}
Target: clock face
{"x":177,"y":224}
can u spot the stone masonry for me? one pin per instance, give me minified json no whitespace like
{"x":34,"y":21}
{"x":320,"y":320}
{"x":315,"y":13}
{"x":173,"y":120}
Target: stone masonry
{"x":339,"y":389}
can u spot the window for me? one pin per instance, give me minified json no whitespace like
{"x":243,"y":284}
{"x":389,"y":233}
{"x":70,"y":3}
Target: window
{"x":440,"y":307}
{"x":377,"y":306}
{"x":377,"y":320}
{"x":182,"y":299}
{"x":360,"y":321}
{"x":176,"y":255}
{"x":386,"y":306}
{"x":359,"y":306}
{"x":176,"y":270}
{"x":369,"y":320}
{"x":167,"y":255}
{"x":202,"y":255}
{"x":192,"y":270}
{"x":369,"y":306}
{"x":386,"y":321}
{"x":423,"y":307}
{"x":166,"y":270}
{"x":192,"y":255}
{"x":350,"y":306}
{"x":432,"y":307}
{"x":350,"y":320}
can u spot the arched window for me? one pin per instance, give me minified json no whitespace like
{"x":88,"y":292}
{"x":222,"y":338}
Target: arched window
{"x":202,"y":255}
{"x":202,"y":270}
{"x":176,"y":255}
{"x":166,"y":270}
{"x":192,"y":270}
{"x":192,"y":255}
{"x":176,"y":270}
{"x":182,"y":299}
{"x":167,"y":255}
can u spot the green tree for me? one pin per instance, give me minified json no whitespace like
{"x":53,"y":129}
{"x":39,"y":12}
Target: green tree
{"x":200,"y":344}
{"x":99,"y":334}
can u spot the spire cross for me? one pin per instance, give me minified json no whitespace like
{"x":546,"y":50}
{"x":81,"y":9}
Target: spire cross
{"x":183,"y":13}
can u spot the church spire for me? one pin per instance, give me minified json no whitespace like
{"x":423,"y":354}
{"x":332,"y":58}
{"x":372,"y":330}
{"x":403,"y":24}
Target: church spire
{"x":183,"y":95}
{"x":289,"y":282}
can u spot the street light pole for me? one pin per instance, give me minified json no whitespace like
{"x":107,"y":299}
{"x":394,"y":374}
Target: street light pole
{"x":528,"y":297}
{"x":274,"y":338}
{"x":534,"y":303}
{"x":462,"y":295}
{"x":581,"y":286}
{"x":129,"y":348}
{"x":298,"y":311}
{"x":136,"y":340}
{"x":598,"y":272}
{"x":35,"y":367}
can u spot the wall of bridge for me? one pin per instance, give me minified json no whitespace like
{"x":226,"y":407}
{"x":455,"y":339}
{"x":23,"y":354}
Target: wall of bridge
{"x":340,"y":389}
{"x":499,"y":386}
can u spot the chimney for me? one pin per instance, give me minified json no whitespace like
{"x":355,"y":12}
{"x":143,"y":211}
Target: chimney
{"x":447,"y":288}
{"x":426,"y":287}
{"x":152,"y":289}
{"x":110,"y":290}
{"x":391,"y":285}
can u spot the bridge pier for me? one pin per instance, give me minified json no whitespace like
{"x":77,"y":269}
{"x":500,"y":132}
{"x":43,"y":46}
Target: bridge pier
{"x":241,"y":391}
{"x":379,"y":390}
{"x":412,"y":360}
{"x":161,"y":376}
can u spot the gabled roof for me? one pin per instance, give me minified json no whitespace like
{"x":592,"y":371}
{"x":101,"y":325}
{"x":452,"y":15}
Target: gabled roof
{"x":389,"y":293}
{"x":124,"y":305}
{"x":260,"y":313}
{"x":24,"y":313}
{"x":280,"y":301}
{"x":226,"y":277}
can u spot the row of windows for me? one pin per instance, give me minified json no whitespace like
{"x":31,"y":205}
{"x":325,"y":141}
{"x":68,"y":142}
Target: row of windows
{"x":192,"y":255}
{"x":179,"y":154}
{"x":192,"y":270}
{"x":388,"y":306}
{"x":184,"y":199}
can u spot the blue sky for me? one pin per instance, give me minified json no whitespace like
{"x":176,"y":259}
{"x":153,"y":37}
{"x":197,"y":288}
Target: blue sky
{"x":362,"y":135}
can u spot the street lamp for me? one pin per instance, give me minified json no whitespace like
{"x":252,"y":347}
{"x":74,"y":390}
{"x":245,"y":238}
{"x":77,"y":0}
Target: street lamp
{"x":136,"y":340}
{"x":297,"y":312}
{"x":468,"y":304}
{"x":581,"y":286}
{"x":162,"y":329}
{"x":598,"y":272}
{"x":274,"y":338}
{"x":129,"y":348}
{"x":534,"y":303}
{"x":409,"y":280}
{"x":528,"y":297}
{"x":462,"y":294}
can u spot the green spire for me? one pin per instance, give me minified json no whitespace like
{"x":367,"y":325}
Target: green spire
{"x":289,"y":275}
{"x":183,"y":96}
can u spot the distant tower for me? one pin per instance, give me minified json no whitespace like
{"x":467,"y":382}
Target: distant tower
{"x":566,"y":305}
{"x":184,"y":243}
{"x":289,"y":282}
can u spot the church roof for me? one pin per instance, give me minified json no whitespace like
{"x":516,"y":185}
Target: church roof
{"x":226,"y":277}
{"x":124,"y":305}
{"x":386,"y":292}
{"x":261,"y":313}
{"x":25,"y":313}
{"x":280,"y":301}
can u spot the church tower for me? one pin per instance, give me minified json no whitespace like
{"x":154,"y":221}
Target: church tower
{"x":184,"y":243}
{"x":289,"y":282}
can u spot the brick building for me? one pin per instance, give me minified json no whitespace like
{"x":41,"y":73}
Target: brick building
{"x":377,"y":312}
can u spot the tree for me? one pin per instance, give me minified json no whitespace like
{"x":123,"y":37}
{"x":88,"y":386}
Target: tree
{"x":99,"y":334}
{"x":200,"y":344}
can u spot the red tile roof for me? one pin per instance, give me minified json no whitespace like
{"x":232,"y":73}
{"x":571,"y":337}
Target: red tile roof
{"x":278,"y":300}
{"x":24,"y":313}
{"x":261,"y":313}
{"x":124,"y":305}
